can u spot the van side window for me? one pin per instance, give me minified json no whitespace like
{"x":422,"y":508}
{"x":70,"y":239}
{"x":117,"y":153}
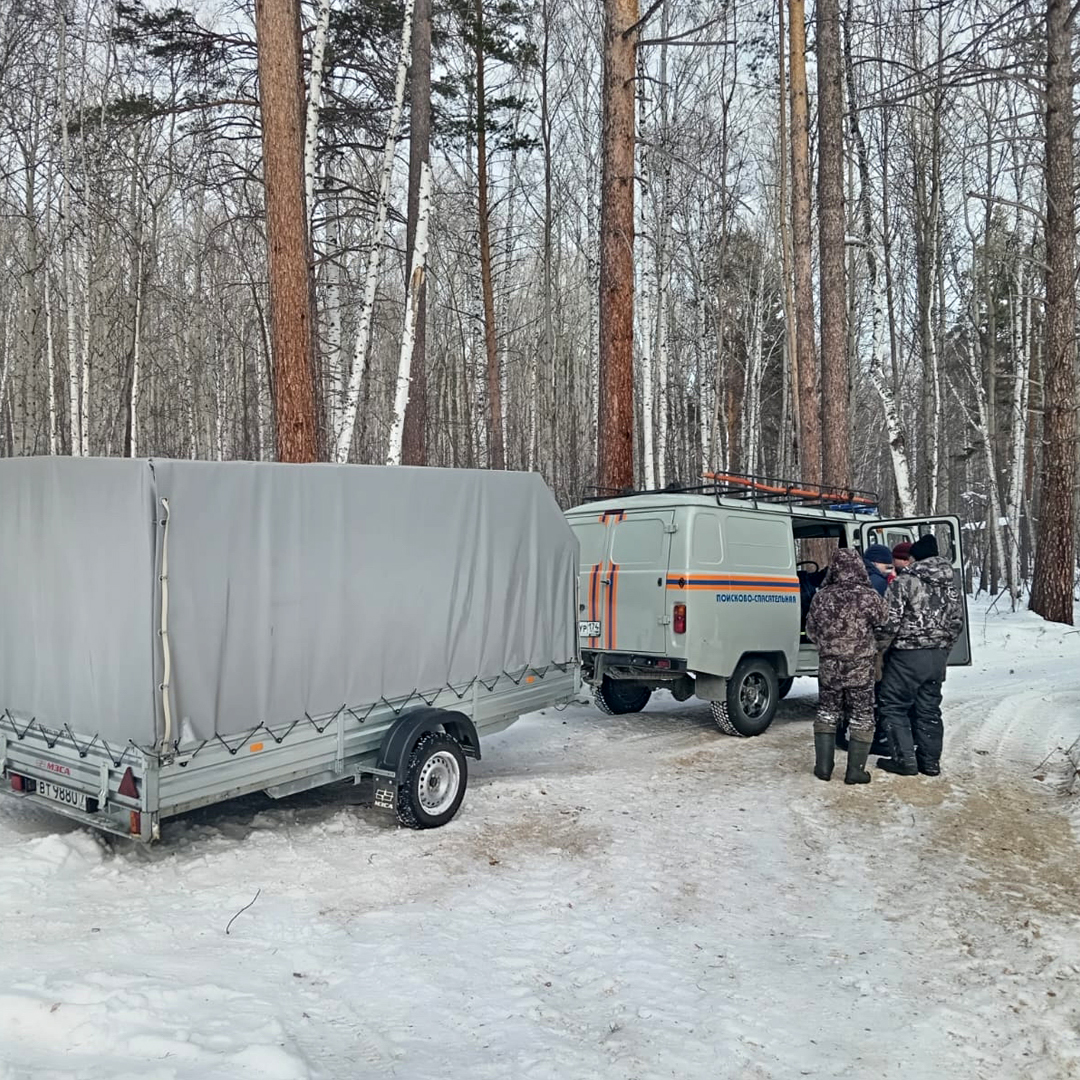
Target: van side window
{"x":638,"y":540}
{"x":706,"y":547}
{"x":759,"y":542}
{"x":592,"y":536}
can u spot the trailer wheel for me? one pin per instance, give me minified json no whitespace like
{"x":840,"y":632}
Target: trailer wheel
{"x":434,"y":784}
{"x":752,"y":697}
{"x":618,"y":696}
{"x":785,"y":686}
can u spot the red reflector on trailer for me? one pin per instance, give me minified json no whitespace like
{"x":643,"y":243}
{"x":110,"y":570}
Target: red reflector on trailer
{"x":663,"y":663}
{"x":136,"y":823}
{"x":679,"y":619}
{"x":127,"y":786}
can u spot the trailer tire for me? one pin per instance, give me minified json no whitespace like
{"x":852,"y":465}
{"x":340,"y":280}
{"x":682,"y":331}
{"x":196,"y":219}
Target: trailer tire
{"x":434,"y":784}
{"x":618,"y":696}
{"x":752,"y":696}
{"x":785,"y":686}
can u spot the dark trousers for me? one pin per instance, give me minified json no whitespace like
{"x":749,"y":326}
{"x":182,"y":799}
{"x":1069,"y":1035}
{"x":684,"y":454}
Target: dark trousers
{"x":910,"y":697}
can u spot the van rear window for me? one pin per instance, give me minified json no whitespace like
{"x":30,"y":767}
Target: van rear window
{"x":592,"y":536}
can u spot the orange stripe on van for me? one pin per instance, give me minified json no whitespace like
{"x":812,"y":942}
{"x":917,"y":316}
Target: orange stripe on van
{"x":612,"y":603}
{"x":594,"y":588}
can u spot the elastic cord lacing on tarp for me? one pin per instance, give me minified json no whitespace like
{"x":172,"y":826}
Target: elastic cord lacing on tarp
{"x":280,"y":734}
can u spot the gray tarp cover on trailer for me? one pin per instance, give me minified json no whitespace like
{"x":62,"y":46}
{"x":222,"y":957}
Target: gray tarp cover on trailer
{"x":292,"y":589}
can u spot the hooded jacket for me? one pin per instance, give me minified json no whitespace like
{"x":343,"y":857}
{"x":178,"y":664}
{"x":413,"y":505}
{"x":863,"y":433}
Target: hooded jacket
{"x":846,"y":611}
{"x":925,"y":610}
{"x":878,"y":581}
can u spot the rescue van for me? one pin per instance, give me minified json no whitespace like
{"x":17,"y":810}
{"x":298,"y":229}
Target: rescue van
{"x":703,"y":590}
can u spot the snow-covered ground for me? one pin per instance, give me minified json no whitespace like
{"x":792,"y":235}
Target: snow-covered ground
{"x":619,"y":898}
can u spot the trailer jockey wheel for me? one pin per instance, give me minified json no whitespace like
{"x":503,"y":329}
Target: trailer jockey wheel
{"x":618,"y":696}
{"x":435,"y":782}
{"x":752,"y":696}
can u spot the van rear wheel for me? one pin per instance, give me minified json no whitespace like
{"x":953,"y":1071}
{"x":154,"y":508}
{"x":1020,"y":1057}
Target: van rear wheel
{"x":753,"y":693}
{"x":619,"y":696}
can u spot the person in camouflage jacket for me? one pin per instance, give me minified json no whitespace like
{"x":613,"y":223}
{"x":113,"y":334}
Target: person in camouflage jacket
{"x":844,"y":617}
{"x":924,"y":620}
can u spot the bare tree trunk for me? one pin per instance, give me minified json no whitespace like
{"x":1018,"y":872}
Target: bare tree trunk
{"x":136,"y":351}
{"x":371,"y":276}
{"x":546,"y":377}
{"x":1020,"y":310}
{"x":789,"y":432}
{"x":496,"y":449}
{"x":418,"y":260}
{"x":615,"y":444}
{"x":414,"y":448}
{"x":281,"y":99}
{"x":875,"y":264}
{"x":50,"y":363}
{"x":67,"y":240}
{"x":809,"y":435}
{"x":1055,"y":553}
{"x":836,"y":434}
{"x":314,"y":102}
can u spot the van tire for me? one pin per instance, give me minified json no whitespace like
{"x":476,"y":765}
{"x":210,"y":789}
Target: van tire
{"x":619,"y":696}
{"x":753,"y":693}
{"x":785,"y":686}
{"x":721,"y":718}
{"x":434,"y":784}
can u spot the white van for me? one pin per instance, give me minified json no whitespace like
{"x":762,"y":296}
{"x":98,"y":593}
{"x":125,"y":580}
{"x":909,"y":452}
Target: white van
{"x":704,"y":590}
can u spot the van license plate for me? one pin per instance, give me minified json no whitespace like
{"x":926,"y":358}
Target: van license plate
{"x":63,"y":795}
{"x":588,"y":629}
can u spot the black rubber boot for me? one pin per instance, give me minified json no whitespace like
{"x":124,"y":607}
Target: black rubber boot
{"x":929,"y":768}
{"x":824,"y":754}
{"x":901,"y":768}
{"x":857,"y":754}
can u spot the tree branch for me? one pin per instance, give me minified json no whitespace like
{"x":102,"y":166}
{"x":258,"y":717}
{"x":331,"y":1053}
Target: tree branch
{"x":991,"y":199}
{"x":657,"y":5}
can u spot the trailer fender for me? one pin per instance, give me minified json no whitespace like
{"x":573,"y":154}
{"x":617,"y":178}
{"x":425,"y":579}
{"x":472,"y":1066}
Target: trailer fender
{"x":399,"y":741}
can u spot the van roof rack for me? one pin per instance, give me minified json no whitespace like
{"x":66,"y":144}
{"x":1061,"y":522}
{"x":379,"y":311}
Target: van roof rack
{"x":732,"y":485}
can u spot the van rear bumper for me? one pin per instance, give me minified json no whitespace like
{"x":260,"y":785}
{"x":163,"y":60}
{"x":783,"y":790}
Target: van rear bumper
{"x":596,"y":663}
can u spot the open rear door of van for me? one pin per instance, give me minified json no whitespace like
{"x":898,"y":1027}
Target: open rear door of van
{"x":946,"y":531}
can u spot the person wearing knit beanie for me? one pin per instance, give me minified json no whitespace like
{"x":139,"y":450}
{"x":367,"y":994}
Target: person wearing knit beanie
{"x":924,"y":548}
{"x":902,"y":556}
{"x":879,"y":564}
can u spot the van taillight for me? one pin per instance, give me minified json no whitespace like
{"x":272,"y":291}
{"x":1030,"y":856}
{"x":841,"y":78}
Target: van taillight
{"x":679,"y":619}
{"x":18,"y":783}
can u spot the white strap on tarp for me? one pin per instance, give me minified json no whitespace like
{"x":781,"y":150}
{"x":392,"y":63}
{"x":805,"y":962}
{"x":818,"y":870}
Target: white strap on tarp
{"x":166,"y":672}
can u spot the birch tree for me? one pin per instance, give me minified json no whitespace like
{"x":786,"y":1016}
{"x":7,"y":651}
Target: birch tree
{"x":375,"y":250}
{"x":418,"y":261}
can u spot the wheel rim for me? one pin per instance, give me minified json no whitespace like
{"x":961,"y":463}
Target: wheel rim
{"x":439,"y":781}
{"x":754,"y":696}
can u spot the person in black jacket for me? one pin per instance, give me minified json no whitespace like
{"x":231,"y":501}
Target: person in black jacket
{"x":925,"y":618}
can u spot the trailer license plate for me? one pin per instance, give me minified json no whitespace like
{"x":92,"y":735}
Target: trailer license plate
{"x":63,"y":795}
{"x":588,"y":629}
